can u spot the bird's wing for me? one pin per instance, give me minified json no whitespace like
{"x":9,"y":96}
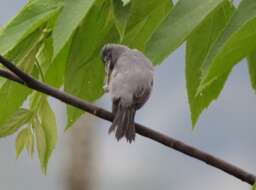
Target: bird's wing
{"x":141,"y":96}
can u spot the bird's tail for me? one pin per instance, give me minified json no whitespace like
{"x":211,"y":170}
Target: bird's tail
{"x":123,"y":123}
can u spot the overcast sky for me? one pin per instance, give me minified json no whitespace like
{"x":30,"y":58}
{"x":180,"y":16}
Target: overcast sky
{"x":227,"y":129}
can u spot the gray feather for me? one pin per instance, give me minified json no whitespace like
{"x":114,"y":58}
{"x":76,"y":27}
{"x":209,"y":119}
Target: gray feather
{"x":130,"y":82}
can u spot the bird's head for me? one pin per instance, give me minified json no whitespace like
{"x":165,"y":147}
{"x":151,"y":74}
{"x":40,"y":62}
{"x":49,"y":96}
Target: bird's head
{"x":111,"y":52}
{"x":109,"y":56}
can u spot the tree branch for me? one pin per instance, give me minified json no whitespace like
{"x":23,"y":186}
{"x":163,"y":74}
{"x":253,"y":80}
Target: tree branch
{"x":21,"y":77}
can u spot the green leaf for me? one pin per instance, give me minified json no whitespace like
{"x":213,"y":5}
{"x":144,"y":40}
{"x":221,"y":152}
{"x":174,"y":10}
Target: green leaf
{"x":125,"y":2}
{"x":24,"y":48}
{"x":144,"y":18}
{"x":21,"y":140}
{"x":9,"y":89}
{"x":254,"y":187}
{"x":252,"y":69}
{"x":234,"y":44}
{"x":88,"y":85}
{"x":44,"y":57}
{"x":198,"y":44}
{"x":13,"y":95}
{"x":141,"y":10}
{"x":178,"y":25}
{"x":30,"y":143}
{"x":48,"y":123}
{"x":121,"y":15}
{"x":69,"y":19}
{"x":41,"y":146}
{"x":31,"y":17}
{"x":24,"y":139}
{"x":84,"y":71}
{"x":46,"y":132}
{"x":55,"y":73}
{"x":15,"y":121}
{"x":138,"y":20}
{"x":53,"y":70}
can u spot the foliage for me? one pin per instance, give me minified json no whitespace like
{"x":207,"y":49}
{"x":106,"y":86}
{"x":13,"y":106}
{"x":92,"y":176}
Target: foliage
{"x":58,"y":42}
{"x":198,"y":44}
{"x":252,"y":69}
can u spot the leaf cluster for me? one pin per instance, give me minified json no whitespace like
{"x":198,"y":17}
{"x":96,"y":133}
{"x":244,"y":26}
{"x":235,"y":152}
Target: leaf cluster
{"x":58,"y":42}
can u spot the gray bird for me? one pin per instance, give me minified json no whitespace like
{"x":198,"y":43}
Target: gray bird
{"x":129,"y":80}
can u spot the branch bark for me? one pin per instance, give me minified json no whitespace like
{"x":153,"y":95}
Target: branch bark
{"x":21,"y":77}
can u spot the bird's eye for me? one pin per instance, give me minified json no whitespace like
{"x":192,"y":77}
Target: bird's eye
{"x":109,"y":56}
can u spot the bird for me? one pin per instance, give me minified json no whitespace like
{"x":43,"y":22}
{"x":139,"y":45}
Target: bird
{"x":129,"y":78}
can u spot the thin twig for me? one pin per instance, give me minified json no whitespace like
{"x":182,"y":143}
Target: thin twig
{"x":20,"y":76}
{"x":10,"y":76}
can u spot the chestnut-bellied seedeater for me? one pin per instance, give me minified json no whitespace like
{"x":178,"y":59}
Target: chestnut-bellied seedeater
{"x":129,"y":80}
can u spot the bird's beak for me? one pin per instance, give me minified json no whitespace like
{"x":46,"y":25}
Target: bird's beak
{"x":108,"y":72}
{"x":107,"y":79}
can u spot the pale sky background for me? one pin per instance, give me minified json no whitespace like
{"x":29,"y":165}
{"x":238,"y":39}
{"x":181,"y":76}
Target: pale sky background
{"x":227,"y":129}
